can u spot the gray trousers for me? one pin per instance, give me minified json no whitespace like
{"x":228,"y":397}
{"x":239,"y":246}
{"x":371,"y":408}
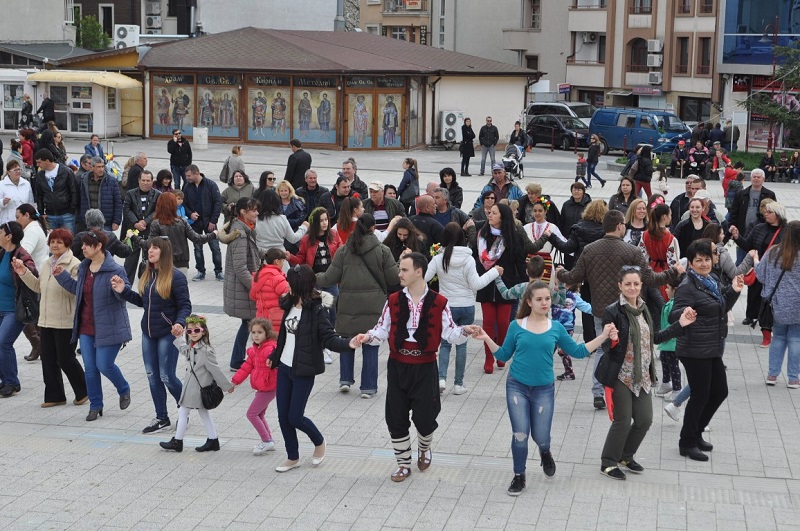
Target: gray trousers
{"x":597,"y":387}
{"x":624,"y":438}
{"x":484,"y":151}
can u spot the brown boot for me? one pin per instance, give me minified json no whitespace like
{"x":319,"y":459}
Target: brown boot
{"x":767,"y":338}
{"x":32,"y":333}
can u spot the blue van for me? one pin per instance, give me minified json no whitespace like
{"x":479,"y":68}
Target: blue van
{"x":623,"y":128}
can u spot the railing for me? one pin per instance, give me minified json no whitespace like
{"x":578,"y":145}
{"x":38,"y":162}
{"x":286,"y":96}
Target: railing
{"x":640,"y":10}
{"x":685,"y":8}
{"x":681,"y":69}
{"x":573,"y":61}
{"x":405,"y":7}
{"x":703,"y":70}
{"x":707,"y":7}
{"x":596,"y":4}
{"x":637,"y":68}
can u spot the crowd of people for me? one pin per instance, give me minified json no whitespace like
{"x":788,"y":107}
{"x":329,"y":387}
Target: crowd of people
{"x":309,"y":272}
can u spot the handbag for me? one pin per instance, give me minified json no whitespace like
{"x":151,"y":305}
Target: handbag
{"x":26,"y":304}
{"x":411,"y":192}
{"x":765,"y":316}
{"x":750,"y":276}
{"x":223,"y":175}
{"x":210,"y":395}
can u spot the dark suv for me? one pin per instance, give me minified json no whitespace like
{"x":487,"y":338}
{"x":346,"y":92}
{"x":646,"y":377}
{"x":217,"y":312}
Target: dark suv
{"x":563,"y":131}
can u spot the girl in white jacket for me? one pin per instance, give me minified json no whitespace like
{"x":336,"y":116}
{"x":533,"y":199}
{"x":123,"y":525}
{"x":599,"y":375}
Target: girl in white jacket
{"x":458,"y":282}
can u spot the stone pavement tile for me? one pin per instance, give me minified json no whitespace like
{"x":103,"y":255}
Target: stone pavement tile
{"x":786,"y":516}
{"x":544,"y":524}
{"x":734,"y":525}
{"x":612,"y":512}
{"x":404,"y":514}
{"x":491,"y":521}
{"x":185,"y":522}
{"x":583,"y":516}
{"x":464,"y":517}
{"x":701,"y":520}
{"x":759,"y":517}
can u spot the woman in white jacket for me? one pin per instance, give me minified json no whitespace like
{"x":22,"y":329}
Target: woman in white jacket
{"x":14,"y":191}
{"x":458,"y":282}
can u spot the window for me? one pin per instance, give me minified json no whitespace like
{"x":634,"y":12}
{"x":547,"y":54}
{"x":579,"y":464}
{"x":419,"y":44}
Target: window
{"x":172,"y":8}
{"x":626,"y":120}
{"x":59,"y":96}
{"x":704,"y":56}
{"x":12,"y":102}
{"x":641,"y":7}
{"x":601,"y":49}
{"x":399,"y":34}
{"x":111,"y":104}
{"x":536,"y":14}
{"x":442,"y":12}
{"x":638,"y":56}
{"x":441,"y":8}
{"x":106,"y":18}
{"x":74,"y":11}
{"x":373,"y":29}
{"x":682,"y":55}
{"x":684,"y":7}
{"x":706,"y":7}
{"x":695,"y":109}
{"x":532,"y":62}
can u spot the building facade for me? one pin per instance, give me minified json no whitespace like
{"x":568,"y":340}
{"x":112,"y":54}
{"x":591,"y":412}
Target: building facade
{"x":399,"y":19}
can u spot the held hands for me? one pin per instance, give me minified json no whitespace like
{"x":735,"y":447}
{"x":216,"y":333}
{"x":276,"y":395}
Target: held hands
{"x":481,"y":334}
{"x":19,"y":267}
{"x":471,"y":330}
{"x":499,"y":270}
{"x":688,"y":316}
{"x":559,"y":269}
{"x":118,"y":285}
{"x":356,"y":341}
{"x":57,"y":270}
{"x":194,"y":216}
{"x":610,"y":332}
{"x":141,"y":224}
{"x":754,"y":254}
{"x":177,"y":329}
{"x":738,"y":283}
{"x":734,"y":232}
{"x":468,"y":224}
{"x":269,"y":363}
{"x":233,"y":387}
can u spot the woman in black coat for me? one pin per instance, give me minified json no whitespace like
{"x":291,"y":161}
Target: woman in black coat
{"x":572,"y":209}
{"x":467,"y":146}
{"x":701,"y":347}
{"x":447,"y":180}
{"x":305,"y":331}
{"x":644,"y":173}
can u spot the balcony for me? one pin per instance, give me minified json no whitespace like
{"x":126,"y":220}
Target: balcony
{"x":589,"y":4}
{"x":580,"y":20}
{"x":636,"y":75}
{"x":640,"y":9}
{"x":407,"y":8}
{"x":586,"y":73}
{"x":519,"y":39}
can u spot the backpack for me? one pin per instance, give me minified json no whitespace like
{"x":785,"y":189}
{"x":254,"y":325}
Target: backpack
{"x":733,"y":187}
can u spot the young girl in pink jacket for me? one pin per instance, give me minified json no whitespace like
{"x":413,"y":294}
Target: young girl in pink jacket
{"x":262,"y":379}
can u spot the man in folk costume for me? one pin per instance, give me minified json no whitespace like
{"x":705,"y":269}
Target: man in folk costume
{"x":414,"y":320}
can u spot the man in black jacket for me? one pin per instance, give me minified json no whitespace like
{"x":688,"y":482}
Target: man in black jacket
{"x":203,"y":204}
{"x":136,"y":170}
{"x":332,"y":201}
{"x":138,"y":209}
{"x":357,"y":186}
{"x":55,"y":190}
{"x":47,"y":109}
{"x":180,"y":156}
{"x":744,"y":211}
{"x":426,"y":223}
{"x":312,"y":192}
{"x":488,"y":137}
{"x":299,"y":162}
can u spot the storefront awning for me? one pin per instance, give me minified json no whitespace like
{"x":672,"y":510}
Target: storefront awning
{"x":619,"y":93}
{"x":105,"y":79}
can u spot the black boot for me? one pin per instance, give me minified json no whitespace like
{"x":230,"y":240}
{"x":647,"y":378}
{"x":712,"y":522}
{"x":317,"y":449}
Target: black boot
{"x":210,"y":445}
{"x":173,"y":444}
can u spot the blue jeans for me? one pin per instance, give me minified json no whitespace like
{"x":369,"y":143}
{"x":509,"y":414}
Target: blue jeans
{"x":462,"y":316}
{"x":333,"y":290}
{"x":785,"y":336}
{"x":240,"y":344}
{"x":160,"y":358}
{"x":591,"y":171}
{"x":178,"y":173}
{"x":530,"y":409}
{"x":369,"y":368}
{"x":291,"y":397}
{"x":66,"y":221}
{"x":10,"y":329}
{"x":682,"y":395}
{"x":97,"y":361}
{"x":216,"y":254}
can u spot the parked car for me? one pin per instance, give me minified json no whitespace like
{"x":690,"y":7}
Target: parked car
{"x":562,"y":131}
{"x":622,"y":128}
{"x":576,"y":109}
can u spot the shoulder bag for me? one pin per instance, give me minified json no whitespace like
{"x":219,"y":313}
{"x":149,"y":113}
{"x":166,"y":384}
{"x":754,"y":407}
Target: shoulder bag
{"x":223,"y":175}
{"x":26,"y":304}
{"x":750,"y":276}
{"x":765,"y":317}
{"x":210,"y":395}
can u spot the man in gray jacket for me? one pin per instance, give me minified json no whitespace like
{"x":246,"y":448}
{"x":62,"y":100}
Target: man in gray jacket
{"x":383,"y":209}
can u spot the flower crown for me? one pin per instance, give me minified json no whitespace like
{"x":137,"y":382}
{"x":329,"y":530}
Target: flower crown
{"x":544,"y":202}
{"x":196,"y":319}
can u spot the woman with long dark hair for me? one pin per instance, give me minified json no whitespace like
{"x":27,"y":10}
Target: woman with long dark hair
{"x":364,"y":269}
{"x":164,"y":181}
{"x":458,"y":283}
{"x":272,"y":226}
{"x":467,"y":146}
{"x":404,"y":236}
{"x":498,"y":243}
{"x":447,"y":180}
{"x":409,"y":185}
{"x":689,"y":230}
{"x":625,"y":194}
{"x":644,"y":173}
{"x":163,"y":293}
{"x":349,"y":212}
{"x":659,"y":247}
{"x":35,"y":242}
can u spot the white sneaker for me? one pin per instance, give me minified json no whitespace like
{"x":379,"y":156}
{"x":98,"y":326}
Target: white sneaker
{"x":669,"y":397}
{"x":344,"y":388}
{"x":663,"y":388}
{"x":263,"y":447}
{"x":442,"y":386}
{"x":366,"y":396}
{"x":327,"y":354}
{"x":459,"y":390}
{"x":673,"y":411}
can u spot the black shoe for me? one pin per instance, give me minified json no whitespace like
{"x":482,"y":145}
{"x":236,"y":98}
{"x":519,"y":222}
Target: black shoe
{"x":517,"y":485}
{"x":157,"y":425}
{"x":210,"y":445}
{"x":548,"y":465}
{"x":602,"y":184}
{"x":693,"y":453}
{"x":93,"y":414}
{"x":172,"y":444}
{"x":124,"y":401}
{"x":613,"y":472}
{"x":747,"y":321}
{"x":633,"y":466}
{"x":703,"y":445}
{"x":9,"y":390}
{"x":566,"y":376}
{"x":599,"y":402}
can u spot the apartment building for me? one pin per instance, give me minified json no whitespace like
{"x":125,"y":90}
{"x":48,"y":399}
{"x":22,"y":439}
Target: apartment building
{"x":405,"y":20}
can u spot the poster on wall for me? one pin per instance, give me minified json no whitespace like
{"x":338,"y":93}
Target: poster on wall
{"x":315,"y":110}
{"x":268,"y":108}
{"x":218,"y":105}
{"x":390,"y":108}
{"x":12,"y":96}
{"x":359,"y":123}
{"x":174,"y":100}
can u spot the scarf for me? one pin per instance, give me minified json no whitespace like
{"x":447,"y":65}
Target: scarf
{"x":489,"y":257}
{"x":709,"y":283}
{"x":636,"y":336}
{"x":251,"y":225}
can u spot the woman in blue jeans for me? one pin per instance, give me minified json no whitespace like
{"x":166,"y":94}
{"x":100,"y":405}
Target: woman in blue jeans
{"x":305,"y":331}
{"x":164,"y":294}
{"x":530,"y":390}
{"x":11,"y":234}
{"x":101,"y":319}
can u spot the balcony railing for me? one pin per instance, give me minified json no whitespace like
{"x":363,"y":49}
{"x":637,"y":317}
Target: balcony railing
{"x":681,"y":69}
{"x":685,"y":8}
{"x":707,"y":7}
{"x":573,"y":61}
{"x":589,"y":4}
{"x":703,"y":70}
{"x":637,"y":68}
{"x":640,"y":10}
{"x":405,"y":8}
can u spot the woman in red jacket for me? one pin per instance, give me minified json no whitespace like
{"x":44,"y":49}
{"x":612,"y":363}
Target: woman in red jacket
{"x":269,"y":285}
{"x":262,"y":378}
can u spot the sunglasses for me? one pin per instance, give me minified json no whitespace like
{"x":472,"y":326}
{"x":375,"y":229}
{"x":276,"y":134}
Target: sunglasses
{"x":195,"y":330}
{"x":489,"y":197}
{"x":631,"y":268}
{"x":271,"y":179}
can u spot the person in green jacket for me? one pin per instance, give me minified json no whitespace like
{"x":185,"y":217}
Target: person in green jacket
{"x":670,"y":370}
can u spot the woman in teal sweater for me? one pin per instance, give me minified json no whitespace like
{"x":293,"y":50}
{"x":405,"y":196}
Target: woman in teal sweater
{"x":530,"y":390}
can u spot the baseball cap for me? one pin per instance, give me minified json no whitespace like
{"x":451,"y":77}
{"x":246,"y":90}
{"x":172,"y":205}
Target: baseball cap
{"x":498,"y":166}
{"x":376,"y":186}
{"x":681,"y":142}
{"x":701,"y":194}
{"x":717,"y":143}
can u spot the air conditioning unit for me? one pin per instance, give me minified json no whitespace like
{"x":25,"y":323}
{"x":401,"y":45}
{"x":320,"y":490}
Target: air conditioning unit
{"x":152,"y":8}
{"x":153,"y":22}
{"x":126,"y":36}
{"x":654,"y":78}
{"x":589,"y":37}
{"x":153,"y":31}
{"x":654,"y":60}
{"x":655,"y":45}
{"x":451,"y":122}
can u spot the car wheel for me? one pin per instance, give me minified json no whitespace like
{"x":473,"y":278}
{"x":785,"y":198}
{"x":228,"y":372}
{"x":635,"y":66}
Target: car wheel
{"x":565,"y":145}
{"x":603,"y":147}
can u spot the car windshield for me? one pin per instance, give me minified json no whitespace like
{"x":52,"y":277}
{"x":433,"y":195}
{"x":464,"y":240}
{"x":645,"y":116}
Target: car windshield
{"x":573,"y":123}
{"x":583,"y":111}
{"x":672,"y":124}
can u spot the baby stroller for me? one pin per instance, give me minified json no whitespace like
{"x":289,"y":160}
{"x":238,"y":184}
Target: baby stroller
{"x":512,"y":160}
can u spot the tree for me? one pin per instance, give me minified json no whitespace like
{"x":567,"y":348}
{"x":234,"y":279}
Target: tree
{"x":91,"y":35}
{"x":772,"y":101}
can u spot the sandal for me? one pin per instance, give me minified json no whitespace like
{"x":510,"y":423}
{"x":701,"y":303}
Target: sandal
{"x":401,"y":474}
{"x":424,"y":460}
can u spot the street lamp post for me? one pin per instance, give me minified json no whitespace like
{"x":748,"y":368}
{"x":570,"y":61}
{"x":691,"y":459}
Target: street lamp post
{"x":765,"y":39}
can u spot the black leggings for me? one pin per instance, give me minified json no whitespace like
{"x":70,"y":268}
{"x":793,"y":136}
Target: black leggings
{"x":670,"y":369}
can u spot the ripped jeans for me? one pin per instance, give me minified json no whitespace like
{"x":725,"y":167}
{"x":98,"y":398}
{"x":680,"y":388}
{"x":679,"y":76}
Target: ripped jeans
{"x":530,"y":409}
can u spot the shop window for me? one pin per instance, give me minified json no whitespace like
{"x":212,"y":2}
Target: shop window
{"x":59,"y":95}
{"x":399,"y":34}
{"x":81,"y":123}
{"x":695,"y":109}
{"x":112,"y":99}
